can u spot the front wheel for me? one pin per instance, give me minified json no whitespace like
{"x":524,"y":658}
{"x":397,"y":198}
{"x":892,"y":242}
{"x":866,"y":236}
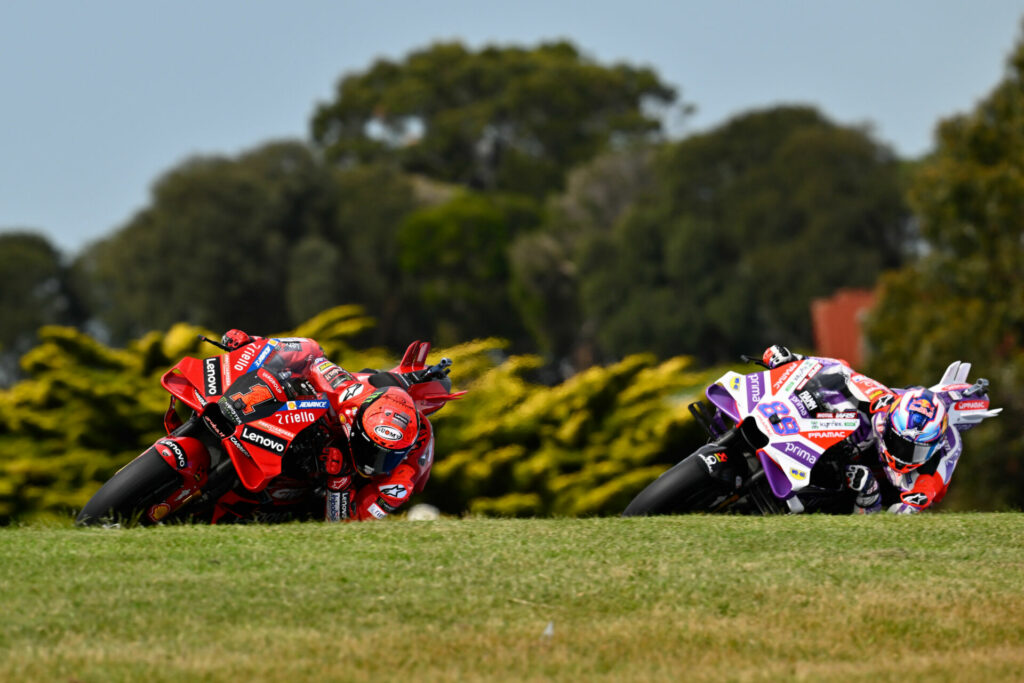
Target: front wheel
{"x":125,"y":498}
{"x":686,"y":487}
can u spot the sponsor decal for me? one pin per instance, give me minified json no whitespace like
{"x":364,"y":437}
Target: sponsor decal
{"x":229,"y":411}
{"x":333,"y":506}
{"x":882,"y":402}
{"x":211,"y":377}
{"x":712,"y":460}
{"x":915,"y":499}
{"x":159,"y":511}
{"x":799,"y":406}
{"x":826,"y":435}
{"x":394,"y":491}
{"x":325,"y":366}
{"x":271,"y":381}
{"x":199,"y":397}
{"x":798,"y":473}
{"x":350,"y":392}
{"x":814,"y":369}
{"x":971,"y":405}
{"x":734,"y":384}
{"x":755,"y":389}
{"x":213,"y":427}
{"x":259,"y":393}
{"x":867,"y":385}
{"x":825,"y":425}
{"x":343,"y":503}
{"x":798,"y":451}
{"x":339,"y":483}
{"x":790,"y":368}
{"x":311,"y":405}
{"x":341,"y":378}
{"x":386,"y":506}
{"x":264,"y":440}
{"x":401,"y":419}
{"x":179,"y":453}
{"x":922,"y":405}
{"x":274,"y":429}
{"x":264,"y":354}
{"x":373,"y":397}
{"x":375,"y":510}
{"x":238,"y":444}
{"x":388,"y":433}
{"x":294,"y":417}
{"x":809,"y":402}
{"x":248,"y":353}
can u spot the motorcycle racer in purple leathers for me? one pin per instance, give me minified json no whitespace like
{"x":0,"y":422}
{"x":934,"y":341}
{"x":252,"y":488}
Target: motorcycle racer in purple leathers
{"x":909,"y":443}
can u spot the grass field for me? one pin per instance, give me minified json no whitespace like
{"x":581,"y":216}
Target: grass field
{"x":932,"y":597}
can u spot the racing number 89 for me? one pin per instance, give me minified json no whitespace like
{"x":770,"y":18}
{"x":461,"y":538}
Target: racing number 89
{"x":783,"y":426}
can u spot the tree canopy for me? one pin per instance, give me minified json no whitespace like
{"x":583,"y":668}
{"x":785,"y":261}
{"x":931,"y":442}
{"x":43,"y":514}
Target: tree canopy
{"x":744,"y":226}
{"x":964,"y":299}
{"x":501,"y":118}
{"x":36,"y":291}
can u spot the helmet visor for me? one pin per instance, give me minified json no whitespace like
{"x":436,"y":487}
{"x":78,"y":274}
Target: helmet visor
{"x":372,"y":460}
{"x":906,"y":453}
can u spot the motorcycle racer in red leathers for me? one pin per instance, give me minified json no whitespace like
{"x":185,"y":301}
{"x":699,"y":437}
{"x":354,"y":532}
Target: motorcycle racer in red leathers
{"x":384,"y":448}
{"x":909,"y":443}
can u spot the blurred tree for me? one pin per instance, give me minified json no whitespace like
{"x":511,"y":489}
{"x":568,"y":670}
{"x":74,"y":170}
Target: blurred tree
{"x":964,"y":299}
{"x":743,"y":227}
{"x":545,"y":275}
{"x":213,"y":247}
{"x":502,"y":118}
{"x":35,"y":292}
{"x":457,"y":254}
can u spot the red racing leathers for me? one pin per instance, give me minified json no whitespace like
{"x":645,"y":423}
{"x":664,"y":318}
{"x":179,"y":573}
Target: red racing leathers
{"x":348,"y":494}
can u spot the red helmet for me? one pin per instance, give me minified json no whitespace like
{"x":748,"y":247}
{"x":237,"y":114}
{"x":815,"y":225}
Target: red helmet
{"x":384,"y":429}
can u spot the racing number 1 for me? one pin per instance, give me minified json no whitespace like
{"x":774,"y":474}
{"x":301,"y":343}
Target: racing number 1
{"x":783,"y":426}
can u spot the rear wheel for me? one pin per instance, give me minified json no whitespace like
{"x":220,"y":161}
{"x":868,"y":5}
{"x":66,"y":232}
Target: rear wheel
{"x":687,"y":487}
{"x":124,"y":499}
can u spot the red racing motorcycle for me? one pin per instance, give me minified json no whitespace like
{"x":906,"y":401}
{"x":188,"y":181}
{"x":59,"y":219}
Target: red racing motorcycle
{"x":250,"y":449}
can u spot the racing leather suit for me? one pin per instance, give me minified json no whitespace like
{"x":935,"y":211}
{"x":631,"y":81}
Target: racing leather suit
{"x":349,"y":495}
{"x":847,"y":390}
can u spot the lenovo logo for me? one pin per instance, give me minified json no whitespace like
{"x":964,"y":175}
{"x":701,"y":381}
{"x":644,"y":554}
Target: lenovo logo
{"x":263,"y":440}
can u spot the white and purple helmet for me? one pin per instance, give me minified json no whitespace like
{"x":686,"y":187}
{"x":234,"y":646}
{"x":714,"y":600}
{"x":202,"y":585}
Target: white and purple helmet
{"x":912,"y":430}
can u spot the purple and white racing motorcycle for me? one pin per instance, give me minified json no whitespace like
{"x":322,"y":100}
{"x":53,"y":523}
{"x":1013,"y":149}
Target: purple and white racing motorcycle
{"x":789,"y":440}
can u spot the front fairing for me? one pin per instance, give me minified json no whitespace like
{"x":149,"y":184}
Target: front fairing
{"x":785,"y":407}
{"x":246,"y":407}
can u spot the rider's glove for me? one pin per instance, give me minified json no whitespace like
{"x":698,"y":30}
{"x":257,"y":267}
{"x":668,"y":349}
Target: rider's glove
{"x":776,"y":355}
{"x":233,"y":339}
{"x":338,"y":478}
{"x":860,"y":480}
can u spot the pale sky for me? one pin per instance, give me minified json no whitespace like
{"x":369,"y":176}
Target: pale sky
{"x":99,"y":98}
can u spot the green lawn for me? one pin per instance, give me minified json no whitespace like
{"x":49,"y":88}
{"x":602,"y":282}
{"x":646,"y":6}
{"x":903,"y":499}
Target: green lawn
{"x":932,"y":597}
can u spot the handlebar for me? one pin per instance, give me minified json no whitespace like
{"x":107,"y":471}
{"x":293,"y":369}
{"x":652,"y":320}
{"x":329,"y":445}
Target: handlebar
{"x":438,"y":371}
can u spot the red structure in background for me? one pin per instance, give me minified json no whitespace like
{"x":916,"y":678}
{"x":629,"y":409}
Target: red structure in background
{"x":837,"y":324}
